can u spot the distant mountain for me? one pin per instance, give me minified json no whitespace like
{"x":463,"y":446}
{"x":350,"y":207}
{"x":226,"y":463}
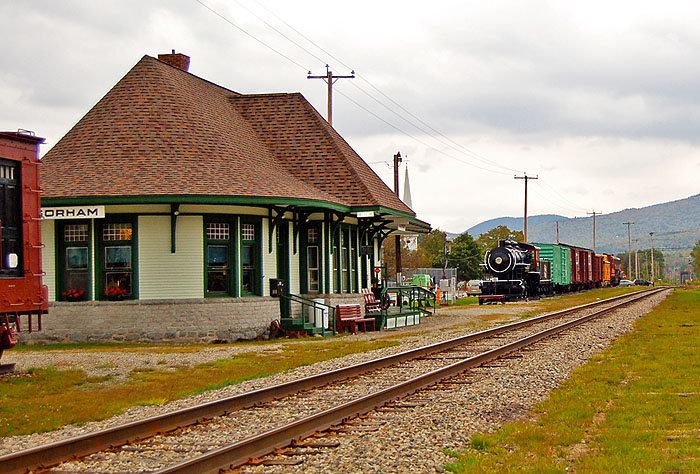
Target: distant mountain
{"x":513,"y":223}
{"x":676,"y":227}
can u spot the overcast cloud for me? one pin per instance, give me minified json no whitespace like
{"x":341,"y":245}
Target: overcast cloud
{"x":599,"y":99}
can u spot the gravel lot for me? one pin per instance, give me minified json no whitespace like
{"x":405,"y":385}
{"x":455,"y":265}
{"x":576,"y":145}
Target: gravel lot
{"x":411,"y":440}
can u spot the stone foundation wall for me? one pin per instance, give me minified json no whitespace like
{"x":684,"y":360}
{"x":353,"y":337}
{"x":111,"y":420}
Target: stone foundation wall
{"x":171,"y":321}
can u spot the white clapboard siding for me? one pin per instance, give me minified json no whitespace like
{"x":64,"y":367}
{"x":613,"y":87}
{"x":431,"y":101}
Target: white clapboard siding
{"x":48,"y":256}
{"x":166,"y":275}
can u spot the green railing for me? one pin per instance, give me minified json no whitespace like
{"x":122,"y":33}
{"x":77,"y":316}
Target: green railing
{"x":412,"y":298}
{"x":308,"y":318}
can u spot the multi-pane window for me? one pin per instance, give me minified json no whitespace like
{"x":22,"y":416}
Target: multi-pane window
{"x":7,"y":172}
{"x":353,"y":260}
{"x":75,"y":232}
{"x":122,"y":231}
{"x":218,"y":231}
{"x":248,"y":232}
{"x":118,"y":259}
{"x":249,"y":260}
{"x":73,"y":261}
{"x":345,"y":260}
{"x":313,"y":270}
{"x":218,"y":258}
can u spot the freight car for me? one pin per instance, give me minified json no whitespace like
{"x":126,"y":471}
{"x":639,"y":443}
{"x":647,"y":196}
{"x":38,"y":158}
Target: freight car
{"x":23,"y":298}
{"x":519,"y":270}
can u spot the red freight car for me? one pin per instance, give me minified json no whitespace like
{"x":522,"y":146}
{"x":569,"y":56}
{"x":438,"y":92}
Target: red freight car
{"x":22,"y":294}
{"x":581,"y":267}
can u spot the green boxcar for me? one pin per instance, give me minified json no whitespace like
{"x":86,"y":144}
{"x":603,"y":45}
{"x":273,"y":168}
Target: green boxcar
{"x":561,"y":263}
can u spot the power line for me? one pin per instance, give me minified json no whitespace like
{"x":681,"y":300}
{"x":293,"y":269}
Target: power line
{"x":250,"y":35}
{"x":432,"y":133}
{"x":447,"y":141}
{"x":430,"y":147}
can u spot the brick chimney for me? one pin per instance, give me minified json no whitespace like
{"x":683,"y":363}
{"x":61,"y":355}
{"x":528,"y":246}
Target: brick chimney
{"x":178,"y":60}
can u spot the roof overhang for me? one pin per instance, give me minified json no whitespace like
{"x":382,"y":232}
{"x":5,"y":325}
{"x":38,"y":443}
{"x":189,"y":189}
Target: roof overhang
{"x":391,"y":220}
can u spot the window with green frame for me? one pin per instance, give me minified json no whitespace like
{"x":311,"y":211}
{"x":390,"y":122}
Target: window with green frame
{"x":117,"y":258}
{"x":345,"y":260}
{"x":219,"y":256}
{"x":73,"y":257}
{"x":251,"y":273}
{"x":311,"y":258}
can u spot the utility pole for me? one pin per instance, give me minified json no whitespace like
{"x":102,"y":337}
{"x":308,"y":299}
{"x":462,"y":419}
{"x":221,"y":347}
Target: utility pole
{"x":397,"y":160}
{"x":526,"y":178}
{"x":330,"y":80}
{"x":594,"y":214}
{"x":557,"y":232}
{"x":636,"y":259}
{"x":651,"y":236}
{"x":629,"y":247}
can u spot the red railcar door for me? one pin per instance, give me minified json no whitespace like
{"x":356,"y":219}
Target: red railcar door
{"x":10,"y":218}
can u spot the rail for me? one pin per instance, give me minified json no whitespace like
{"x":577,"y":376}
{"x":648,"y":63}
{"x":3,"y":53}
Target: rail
{"x":240,"y":452}
{"x":89,"y":443}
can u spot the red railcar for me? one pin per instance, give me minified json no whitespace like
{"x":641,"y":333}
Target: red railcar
{"x":581,"y":267}
{"x":615,"y":270}
{"x":22,"y":295}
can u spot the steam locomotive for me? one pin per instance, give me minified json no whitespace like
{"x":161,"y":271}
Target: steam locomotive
{"x":23,"y":298}
{"x":520,"y":270}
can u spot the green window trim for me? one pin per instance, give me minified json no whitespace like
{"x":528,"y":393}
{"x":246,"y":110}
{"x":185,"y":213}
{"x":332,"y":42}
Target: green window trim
{"x":214,"y":239}
{"x":345,"y":271}
{"x":313,"y":250}
{"x":74,"y":259}
{"x":250,"y":256}
{"x":116,"y":261}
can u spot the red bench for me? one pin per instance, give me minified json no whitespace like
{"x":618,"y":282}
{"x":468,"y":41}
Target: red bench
{"x":371,"y":303}
{"x":350,"y":316}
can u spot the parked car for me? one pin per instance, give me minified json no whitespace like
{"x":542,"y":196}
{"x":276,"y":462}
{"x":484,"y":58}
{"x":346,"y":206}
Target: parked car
{"x":643,"y":283}
{"x":474,"y":287}
{"x":626,"y":283}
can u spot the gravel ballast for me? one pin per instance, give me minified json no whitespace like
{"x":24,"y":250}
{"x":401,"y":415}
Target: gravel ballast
{"x":408,"y":440}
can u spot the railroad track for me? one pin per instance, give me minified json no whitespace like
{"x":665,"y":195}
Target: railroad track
{"x":386,"y":379}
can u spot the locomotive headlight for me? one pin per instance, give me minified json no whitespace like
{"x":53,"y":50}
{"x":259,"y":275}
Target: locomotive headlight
{"x":12,"y":260}
{"x":499,"y":260}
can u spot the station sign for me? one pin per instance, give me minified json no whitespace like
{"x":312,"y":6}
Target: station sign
{"x":76,"y":212}
{"x":361,"y":214}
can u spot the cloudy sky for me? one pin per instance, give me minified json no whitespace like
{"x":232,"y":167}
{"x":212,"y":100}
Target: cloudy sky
{"x":599,"y":99}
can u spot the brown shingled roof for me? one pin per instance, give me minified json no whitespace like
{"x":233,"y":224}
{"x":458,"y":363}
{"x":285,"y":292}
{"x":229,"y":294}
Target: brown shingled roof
{"x":161,"y":131}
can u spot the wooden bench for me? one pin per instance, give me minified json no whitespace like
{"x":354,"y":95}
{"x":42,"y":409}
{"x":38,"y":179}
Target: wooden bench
{"x":371,"y":303}
{"x":350,"y":316}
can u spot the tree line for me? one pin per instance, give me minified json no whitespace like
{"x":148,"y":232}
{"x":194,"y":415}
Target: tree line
{"x":435,"y":251}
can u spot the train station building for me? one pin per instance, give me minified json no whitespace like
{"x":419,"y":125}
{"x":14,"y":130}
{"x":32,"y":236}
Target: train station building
{"x":171,"y":209}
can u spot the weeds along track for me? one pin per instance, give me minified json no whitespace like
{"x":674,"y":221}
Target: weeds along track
{"x":229,"y":432}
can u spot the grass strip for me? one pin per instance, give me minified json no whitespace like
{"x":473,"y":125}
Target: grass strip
{"x":46,"y":399}
{"x":634,"y":408}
